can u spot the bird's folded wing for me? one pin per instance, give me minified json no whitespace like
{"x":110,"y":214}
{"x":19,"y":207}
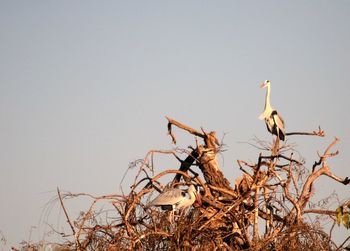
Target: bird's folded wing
{"x":279,"y":122}
{"x":170,"y":197}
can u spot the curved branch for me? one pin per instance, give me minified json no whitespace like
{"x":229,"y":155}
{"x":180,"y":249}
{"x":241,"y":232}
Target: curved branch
{"x":184,"y":127}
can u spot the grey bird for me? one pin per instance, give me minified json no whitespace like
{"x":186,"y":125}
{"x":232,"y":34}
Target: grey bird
{"x":274,"y":121}
{"x":176,"y":199}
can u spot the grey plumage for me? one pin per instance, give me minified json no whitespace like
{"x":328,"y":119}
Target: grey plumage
{"x":175,"y":198}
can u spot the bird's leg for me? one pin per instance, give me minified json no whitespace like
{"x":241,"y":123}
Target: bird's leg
{"x":187,"y":210}
{"x":184,"y":211}
{"x":275,"y":145}
{"x":273,"y":148}
{"x":171,"y":217}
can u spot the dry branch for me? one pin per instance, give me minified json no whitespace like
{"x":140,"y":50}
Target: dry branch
{"x":65,"y":211}
{"x":272,"y":192}
{"x":319,"y":133}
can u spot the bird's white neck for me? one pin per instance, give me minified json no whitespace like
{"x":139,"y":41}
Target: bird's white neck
{"x":192,"y":199}
{"x":267,"y":99}
{"x":192,"y":196}
{"x":267,"y":109}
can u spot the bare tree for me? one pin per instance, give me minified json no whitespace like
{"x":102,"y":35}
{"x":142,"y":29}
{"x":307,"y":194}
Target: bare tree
{"x":265,"y":208}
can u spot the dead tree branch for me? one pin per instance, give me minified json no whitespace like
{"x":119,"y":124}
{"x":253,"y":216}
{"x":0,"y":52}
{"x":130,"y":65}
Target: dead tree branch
{"x":265,"y":210}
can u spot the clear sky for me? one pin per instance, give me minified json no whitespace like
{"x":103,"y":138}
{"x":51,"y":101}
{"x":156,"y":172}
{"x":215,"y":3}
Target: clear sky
{"x":85,"y":86}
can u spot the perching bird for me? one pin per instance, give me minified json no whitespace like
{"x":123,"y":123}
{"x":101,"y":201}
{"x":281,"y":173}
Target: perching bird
{"x":273,"y":119}
{"x":175,"y":198}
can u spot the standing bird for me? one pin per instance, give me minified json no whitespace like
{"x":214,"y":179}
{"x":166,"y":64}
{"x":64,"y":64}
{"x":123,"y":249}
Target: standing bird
{"x":273,"y":119}
{"x":175,"y":198}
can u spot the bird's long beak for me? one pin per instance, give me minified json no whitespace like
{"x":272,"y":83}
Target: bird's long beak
{"x":263,"y":85}
{"x":199,"y":199}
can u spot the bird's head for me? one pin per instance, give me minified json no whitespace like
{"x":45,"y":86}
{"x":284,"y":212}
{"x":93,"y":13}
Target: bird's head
{"x":265,"y":84}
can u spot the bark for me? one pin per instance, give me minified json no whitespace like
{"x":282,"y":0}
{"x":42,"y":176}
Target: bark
{"x":205,"y":156}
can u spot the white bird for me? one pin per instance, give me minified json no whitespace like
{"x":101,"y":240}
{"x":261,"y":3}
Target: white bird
{"x":176,"y":198}
{"x":273,"y":119}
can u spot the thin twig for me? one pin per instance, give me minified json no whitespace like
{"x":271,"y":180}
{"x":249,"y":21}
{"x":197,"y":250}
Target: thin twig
{"x":65,"y":211}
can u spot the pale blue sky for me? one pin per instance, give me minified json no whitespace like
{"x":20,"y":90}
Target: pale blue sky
{"x":85,"y":86}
